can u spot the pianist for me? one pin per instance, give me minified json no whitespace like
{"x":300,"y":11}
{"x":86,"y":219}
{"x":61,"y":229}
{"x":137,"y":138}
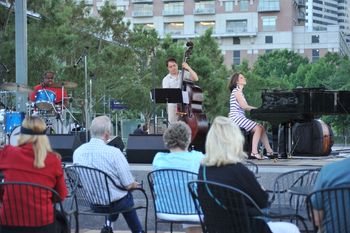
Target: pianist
{"x":238,"y":106}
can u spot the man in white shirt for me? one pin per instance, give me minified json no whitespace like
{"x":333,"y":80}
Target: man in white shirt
{"x":173,"y":80}
{"x":97,"y":154}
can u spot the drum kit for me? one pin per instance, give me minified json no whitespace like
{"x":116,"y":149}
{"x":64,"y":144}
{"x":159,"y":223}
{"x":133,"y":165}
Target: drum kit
{"x":44,"y":106}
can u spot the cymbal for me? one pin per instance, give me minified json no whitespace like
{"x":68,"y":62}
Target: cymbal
{"x":66,"y":84}
{"x":16,"y":87}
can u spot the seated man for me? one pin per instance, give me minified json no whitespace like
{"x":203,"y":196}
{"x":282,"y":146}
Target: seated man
{"x":177,"y":139}
{"x":109,"y":159}
{"x":332,"y":175}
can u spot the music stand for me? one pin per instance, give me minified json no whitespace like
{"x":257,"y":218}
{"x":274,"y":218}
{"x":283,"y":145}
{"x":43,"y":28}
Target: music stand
{"x":167,"y":95}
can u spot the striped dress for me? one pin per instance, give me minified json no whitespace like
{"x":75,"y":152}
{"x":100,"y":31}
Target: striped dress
{"x":237,"y":114}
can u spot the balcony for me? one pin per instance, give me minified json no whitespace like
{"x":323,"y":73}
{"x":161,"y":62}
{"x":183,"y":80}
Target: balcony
{"x":142,"y":1}
{"x":142,"y":14}
{"x":174,"y":32}
{"x":172,"y":12}
{"x":270,"y":7}
{"x":204,"y":11}
{"x":300,"y":3}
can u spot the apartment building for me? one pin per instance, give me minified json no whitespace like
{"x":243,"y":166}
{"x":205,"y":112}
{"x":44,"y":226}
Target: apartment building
{"x":244,"y":29}
{"x":320,"y":13}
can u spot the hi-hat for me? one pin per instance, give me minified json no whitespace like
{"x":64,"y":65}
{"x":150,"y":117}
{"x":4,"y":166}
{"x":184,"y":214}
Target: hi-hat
{"x":16,"y":87}
{"x":66,"y":84}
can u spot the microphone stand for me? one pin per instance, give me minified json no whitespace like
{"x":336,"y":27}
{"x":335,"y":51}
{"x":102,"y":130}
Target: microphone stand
{"x":86,"y":101}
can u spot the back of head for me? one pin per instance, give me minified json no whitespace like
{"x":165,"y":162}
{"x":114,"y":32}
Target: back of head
{"x":100,"y":126}
{"x":224,"y":143}
{"x":33,"y":131}
{"x":233,"y":81}
{"x":178,"y":135}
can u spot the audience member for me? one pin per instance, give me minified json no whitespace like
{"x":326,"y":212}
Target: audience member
{"x":33,"y":161}
{"x":223,"y":164}
{"x":177,"y":139}
{"x":332,"y":175}
{"x":97,"y":154}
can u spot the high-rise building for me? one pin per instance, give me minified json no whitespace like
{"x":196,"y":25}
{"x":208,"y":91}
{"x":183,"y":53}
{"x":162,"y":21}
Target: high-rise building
{"x":244,"y":29}
{"x":320,"y":13}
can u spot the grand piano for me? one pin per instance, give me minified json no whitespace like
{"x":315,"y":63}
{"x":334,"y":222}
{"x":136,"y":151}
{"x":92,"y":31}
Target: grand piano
{"x":284,"y":108}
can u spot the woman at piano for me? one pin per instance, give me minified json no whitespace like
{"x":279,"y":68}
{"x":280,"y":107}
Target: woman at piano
{"x":238,"y":106}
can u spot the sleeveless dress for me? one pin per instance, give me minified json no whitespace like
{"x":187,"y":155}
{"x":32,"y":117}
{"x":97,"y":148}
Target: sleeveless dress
{"x":237,"y":114}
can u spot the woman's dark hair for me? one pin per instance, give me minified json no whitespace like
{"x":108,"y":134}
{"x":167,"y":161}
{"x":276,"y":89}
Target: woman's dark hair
{"x":233,"y":82}
{"x":170,"y":59}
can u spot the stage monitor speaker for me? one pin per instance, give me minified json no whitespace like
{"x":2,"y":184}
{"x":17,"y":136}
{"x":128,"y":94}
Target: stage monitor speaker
{"x":65,"y":144}
{"x":117,"y":142}
{"x":142,"y":148}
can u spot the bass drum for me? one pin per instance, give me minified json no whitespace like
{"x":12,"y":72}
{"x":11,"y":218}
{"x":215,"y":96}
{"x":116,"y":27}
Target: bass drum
{"x":14,"y":136}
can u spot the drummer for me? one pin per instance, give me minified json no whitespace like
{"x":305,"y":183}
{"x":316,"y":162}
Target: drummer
{"x":48,"y":84}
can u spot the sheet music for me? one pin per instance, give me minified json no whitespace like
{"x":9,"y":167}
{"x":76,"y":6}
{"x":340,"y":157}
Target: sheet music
{"x":185,"y":97}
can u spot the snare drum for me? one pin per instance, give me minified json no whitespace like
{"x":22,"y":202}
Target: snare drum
{"x":44,"y":99}
{"x":13,"y":119}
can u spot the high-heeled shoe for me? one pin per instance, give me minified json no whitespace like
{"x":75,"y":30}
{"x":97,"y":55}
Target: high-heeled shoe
{"x":255,"y":156}
{"x":271,"y":155}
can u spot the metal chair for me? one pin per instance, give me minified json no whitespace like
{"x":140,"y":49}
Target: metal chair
{"x":94,"y":193}
{"x":282,"y":200}
{"x":252,"y":167}
{"x":329,"y":209}
{"x":171,"y":197}
{"x":225,"y":209}
{"x":28,"y":207}
{"x":70,"y":203}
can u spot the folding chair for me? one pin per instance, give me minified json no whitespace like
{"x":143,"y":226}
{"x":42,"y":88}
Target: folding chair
{"x":329,"y":209}
{"x":171,"y":198}
{"x":28,"y":207}
{"x":224,"y":209}
{"x":94,"y":193}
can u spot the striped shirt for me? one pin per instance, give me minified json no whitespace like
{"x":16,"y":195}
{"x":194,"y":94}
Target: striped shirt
{"x":237,"y":113}
{"x":97,"y":154}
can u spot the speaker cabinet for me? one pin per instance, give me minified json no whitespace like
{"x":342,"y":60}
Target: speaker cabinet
{"x":65,"y":144}
{"x":143,"y":148}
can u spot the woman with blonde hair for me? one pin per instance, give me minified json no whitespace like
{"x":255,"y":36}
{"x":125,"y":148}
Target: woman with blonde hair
{"x":224,"y":164}
{"x":33,"y":161}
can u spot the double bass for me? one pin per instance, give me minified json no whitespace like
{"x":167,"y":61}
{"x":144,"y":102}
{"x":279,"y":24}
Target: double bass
{"x":192,"y":112}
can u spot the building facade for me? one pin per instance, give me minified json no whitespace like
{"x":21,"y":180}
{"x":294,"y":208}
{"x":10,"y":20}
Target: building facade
{"x":244,"y":29}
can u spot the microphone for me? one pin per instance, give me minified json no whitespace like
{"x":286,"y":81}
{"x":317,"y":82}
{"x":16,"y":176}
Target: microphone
{"x":81,"y":57}
{"x":77,"y":61}
{"x":5,"y":67}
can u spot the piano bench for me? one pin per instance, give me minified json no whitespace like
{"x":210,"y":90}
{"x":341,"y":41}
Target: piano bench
{"x":248,"y":137}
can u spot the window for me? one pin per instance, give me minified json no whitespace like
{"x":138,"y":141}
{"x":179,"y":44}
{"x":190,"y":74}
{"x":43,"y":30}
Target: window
{"x":236,"y":26}
{"x":268,"y":39}
{"x":174,"y":28}
{"x":173,"y":8}
{"x":269,"y":5}
{"x":244,"y":5}
{"x":236,"y":40}
{"x":141,"y":10}
{"x":268,"y":50}
{"x":315,"y":55}
{"x":315,"y":39}
{"x":202,"y":26}
{"x":236,"y":57}
{"x":269,"y":23}
{"x":228,"y":5}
